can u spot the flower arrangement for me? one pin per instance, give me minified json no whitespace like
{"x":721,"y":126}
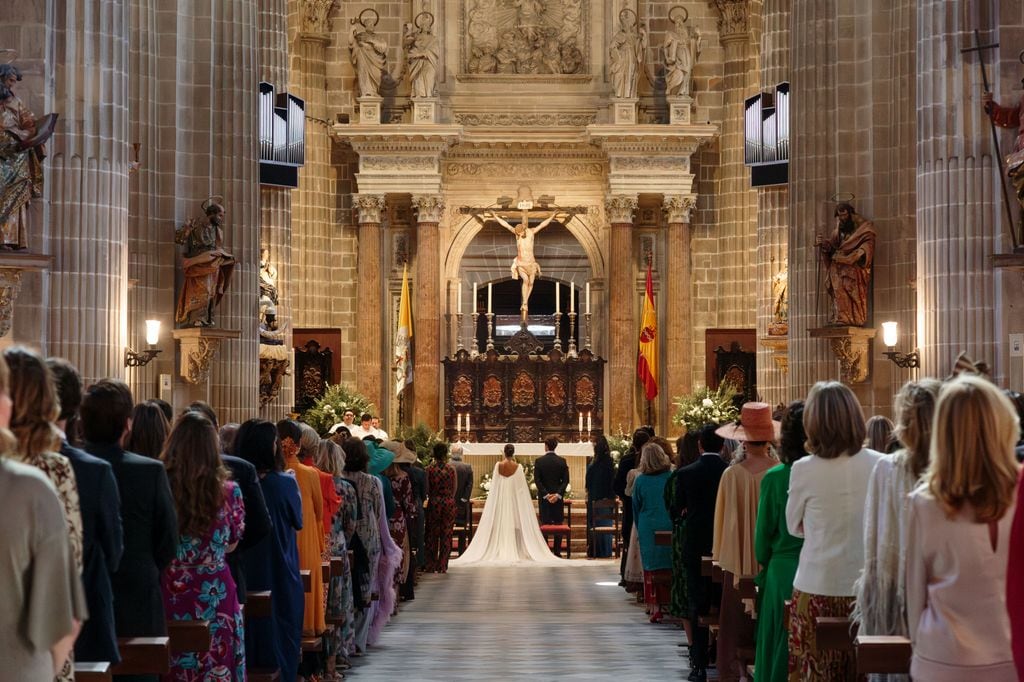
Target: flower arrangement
{"x":619,"y":443}
{"x":329,"y":409}
{"x":706,"y":406}
{"x":422,"y":437}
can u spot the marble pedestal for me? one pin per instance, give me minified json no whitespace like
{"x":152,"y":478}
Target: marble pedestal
{"x":425,"y":110}
{"x":623,"y":110}
{"x":369,"y":109}
{"x":679,"y":109}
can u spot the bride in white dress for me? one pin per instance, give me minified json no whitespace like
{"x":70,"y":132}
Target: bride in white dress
{"x":508,"y":532}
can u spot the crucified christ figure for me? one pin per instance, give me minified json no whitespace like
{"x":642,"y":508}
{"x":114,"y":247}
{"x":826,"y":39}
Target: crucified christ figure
{"x":525,"y":268}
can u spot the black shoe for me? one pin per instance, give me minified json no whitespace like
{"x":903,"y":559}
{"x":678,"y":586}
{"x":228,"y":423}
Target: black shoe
{"x":698,"y":675}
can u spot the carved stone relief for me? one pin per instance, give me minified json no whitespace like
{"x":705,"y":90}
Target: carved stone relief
{"x":368,"y":207}
{"x":429,"y":208}
{"x":526,"y":120}
{"x":315,"y":15}
{"x":10,"y":286}
{"x":734,"y":19}
{"x":677,"y":208}
{"x":392,"y":163}
{"x":523,"y":390}
{"x":525,"y":170}
{"x":525,"y":37}
{"x":620,"y":208}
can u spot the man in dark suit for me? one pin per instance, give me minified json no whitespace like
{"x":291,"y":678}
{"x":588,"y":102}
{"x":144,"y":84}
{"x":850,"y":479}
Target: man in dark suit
{"x":551,"y":474}
{"x":420,"y":492}
{"x":463,"y":484}
{"x":627,"y":463}
{"x":102,"y":537}
{"x":696,"y":491}
{"x":147,"y":511}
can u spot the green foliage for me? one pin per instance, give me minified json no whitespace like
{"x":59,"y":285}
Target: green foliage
{"x":618,"y":443}
{"x":422,"y":437}
{"x":706,"y":406}
{"x":329,"y":409}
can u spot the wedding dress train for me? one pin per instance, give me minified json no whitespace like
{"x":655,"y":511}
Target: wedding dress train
{"x":508,"y":532}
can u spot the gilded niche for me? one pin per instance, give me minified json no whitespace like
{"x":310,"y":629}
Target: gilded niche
{"x":525,"y":37}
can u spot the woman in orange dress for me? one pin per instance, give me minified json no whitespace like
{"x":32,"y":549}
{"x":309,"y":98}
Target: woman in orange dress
{"x":311,"y":537}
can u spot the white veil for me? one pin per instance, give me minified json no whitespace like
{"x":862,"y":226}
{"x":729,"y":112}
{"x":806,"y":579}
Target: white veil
{"x":508,"y":532}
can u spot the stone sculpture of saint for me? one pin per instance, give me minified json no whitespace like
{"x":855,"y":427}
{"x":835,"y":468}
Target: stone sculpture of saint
{"x":682,"y":48}
{"x":847,"y":256}
{"x":625,"y":56}
{"x":423,"y":56}
{"x":207,"y":267}
{"x":21,"y":156}
{"x":369,"y":53}
{"x":779,"y":325}
{"x":525,"y":267}
{"x":268,"y":277}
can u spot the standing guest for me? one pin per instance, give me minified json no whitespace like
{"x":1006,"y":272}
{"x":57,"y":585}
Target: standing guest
{"x":330,"y":459}
{"x":599,"y":482}
{"x":273,"y":562}
{"x":826,"y":508}
{"x":148,"y":431}
{"x":165,"y":407}
{"x":309,"y":450}
{"x":257,"y":518}
{"x":35,"y":409}
{"x":626,"y":464}
{"x":551,"y":475}
{"x":102,"y":536}
{"x":198,"y":585}
{"x":696,"y":492}
{"x":879,"y":434}
{"x":418,"y":477}
{"x":651,"y":516}
{"x":881,"y":606}
{"x":463,"y":486}
{"x":401,"y":522}
{"x":147,"y":512}
{"x":686,"y":454}
{"x":311,"y":536}
{"x":735,"y":518}
{"x":441,"y":478}
{"x":366,"y":542}
{"x":958,"y":539}
{"x":777,"y":551}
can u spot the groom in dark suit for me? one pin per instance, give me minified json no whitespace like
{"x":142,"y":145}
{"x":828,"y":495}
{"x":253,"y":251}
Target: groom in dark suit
{"x":551,"y":474}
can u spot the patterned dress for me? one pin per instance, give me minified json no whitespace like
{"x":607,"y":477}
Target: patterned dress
{"x":197,"y":585}
{"x":440,"y":516}
{"x":398,"y":524}
{"x":679,"y":605}
{"x":371,"y":502}
{"x":339,"y":594}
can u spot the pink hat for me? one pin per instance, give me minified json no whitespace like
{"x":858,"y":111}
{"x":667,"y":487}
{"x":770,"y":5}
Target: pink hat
{"x":755,"y":424}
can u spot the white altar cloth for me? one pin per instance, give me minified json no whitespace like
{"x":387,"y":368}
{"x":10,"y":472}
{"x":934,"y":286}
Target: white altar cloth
{"x":529,"y":449}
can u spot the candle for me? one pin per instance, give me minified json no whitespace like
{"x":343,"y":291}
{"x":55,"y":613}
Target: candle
{"x":458,"y":306}
{"x":590,"y":422}
{"x":488,"y":298}
{"x":558,"y":307}
{"x":588,"y":298}
{"x":581,"y":422}
{"x":572,"y":296}
{"x":474,"y":297}
{"x":467,"y":423}
{"x":458,"y":422}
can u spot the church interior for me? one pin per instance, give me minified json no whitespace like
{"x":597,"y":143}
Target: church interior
{"x":504,"y":221}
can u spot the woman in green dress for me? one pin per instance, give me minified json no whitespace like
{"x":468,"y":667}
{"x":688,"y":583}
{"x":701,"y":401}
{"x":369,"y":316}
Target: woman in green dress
{"x":686,"y":454}
{"x":777,"y":551}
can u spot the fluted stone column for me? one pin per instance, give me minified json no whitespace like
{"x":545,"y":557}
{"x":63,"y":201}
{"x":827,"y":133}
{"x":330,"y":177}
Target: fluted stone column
{"x":622,"y":331}
{"x":427,"y":312}
{"x":370,"y":363}
{"x":678,"y":326}
{"x":88,"y":187}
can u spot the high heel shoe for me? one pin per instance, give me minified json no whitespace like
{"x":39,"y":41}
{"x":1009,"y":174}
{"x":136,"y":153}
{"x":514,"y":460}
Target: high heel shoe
{"x":657,"y":617}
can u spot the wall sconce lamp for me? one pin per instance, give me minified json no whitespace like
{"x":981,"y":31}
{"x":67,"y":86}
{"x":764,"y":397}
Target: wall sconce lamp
{"x":890,"y":335}
{"x":133,"y":359}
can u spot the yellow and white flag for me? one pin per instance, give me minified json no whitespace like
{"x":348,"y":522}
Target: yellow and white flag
{"x":403,"y":336}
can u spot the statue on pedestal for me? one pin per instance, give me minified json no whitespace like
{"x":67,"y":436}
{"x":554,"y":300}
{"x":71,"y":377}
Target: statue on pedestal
{"x":525,"y":268}
{"x":369,"y":53}
{"x":207,"y":267}
{"x":21,"y":160}
{"x":626,"y":54}
{"x":847,"y":256}
{"x":779,"y":325}
{"x":423,"y":55}
{"x":1011,"y":117}
{"x":682,"y":48}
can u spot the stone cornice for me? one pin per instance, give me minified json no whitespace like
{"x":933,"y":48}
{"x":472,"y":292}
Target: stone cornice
{"x":652,"y":139}
{"x":397,"y":138}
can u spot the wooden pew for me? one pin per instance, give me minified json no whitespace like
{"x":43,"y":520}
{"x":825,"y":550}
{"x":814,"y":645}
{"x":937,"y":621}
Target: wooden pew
{"x":337,"y":567}
{"x":187,"y":636}
{"x":834,"y":633}
{"x":747,"y":588}
{"x":663,"y":538}
{"x":260,"y":605}
{"x":143,"y":656}
{"x":307,"y":581}
{"x":882,"y":654}
{"x":706,"y":568}
{"x":325,"y":572}
{"x":717,"y":574}
{"x":93,"y":672}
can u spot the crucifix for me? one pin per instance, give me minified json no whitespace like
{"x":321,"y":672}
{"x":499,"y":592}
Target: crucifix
{"x":979,"y":48}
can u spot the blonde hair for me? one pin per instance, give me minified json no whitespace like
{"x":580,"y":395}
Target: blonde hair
{"x":653,"y":459}
{"x":972,"y":449}
{"x":36,"y":408}
{"x":833,"y":421}
{"x":328,"y":458}
{"x":914,"y":409}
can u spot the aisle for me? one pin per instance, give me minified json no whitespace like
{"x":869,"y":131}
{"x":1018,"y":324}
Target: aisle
{"x":524,"y":623}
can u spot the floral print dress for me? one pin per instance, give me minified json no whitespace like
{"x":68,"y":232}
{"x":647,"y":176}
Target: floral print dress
{"x":340,"y":607}
{"x":197,"y":585}
{"x":440,"y":516}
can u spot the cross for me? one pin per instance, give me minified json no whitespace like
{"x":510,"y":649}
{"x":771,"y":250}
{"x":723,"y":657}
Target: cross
{"x":979,"y":48}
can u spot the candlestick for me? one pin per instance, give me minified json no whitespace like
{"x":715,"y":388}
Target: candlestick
{"x":490,"y":329}
{"x":558,"y":329}
{"x":458,"y":306}
{"x":558,"y":305}
{"x":572,"y":297}
{"x":588,"y":298}
{"x":474,"y":296}
{"x":590,"y":422}
{"x":572,"y":335}
{"x":474,"y":350}
{"x":581,"y":424}
{"x":488,"y":298}
{"x":458,"y":324}
{"x":586,"y":335}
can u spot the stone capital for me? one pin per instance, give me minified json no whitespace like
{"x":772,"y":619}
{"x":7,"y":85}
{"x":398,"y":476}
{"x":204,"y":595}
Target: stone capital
{"x":429,"y":208}
{"x":369,"y":207}
{"x":733,"y":20}
{"x":199,"y":345}
{"x":620,"y":208}
{"x":316,"y":16}
{"x":678,"y":208}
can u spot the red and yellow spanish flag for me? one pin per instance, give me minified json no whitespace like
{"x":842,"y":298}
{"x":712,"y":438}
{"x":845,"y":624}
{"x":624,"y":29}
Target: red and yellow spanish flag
{"x":647,"y":360}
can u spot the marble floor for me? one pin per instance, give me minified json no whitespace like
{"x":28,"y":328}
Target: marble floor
{"x":536,"y":623}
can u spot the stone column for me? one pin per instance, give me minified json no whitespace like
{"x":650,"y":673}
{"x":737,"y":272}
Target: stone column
{"x":678,"y":334}
{"x":426,"y":318}
{"x":370,"y":363}
{"x":87,"y":182}
{"x":622,"y":302}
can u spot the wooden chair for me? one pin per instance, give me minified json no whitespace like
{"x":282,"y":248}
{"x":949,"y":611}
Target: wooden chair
{"x":143,"y":656}
{"x":188,"y":636}
{"x":883,"y":654}
{"x":462,"y":533}
{"x":603,"y":510}
{"x":832,"y":632}
{"x":93,"y":672}
{"x":554,"y":530}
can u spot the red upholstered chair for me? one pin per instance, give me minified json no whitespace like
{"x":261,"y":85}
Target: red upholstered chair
{"x":551,"y":531}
